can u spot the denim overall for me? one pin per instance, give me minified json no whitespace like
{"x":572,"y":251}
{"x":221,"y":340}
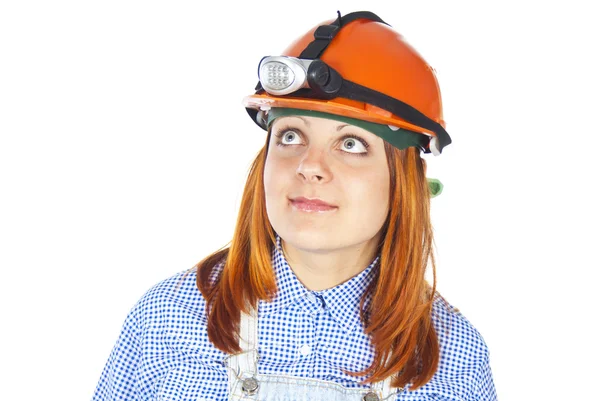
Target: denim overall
{"x":245,"y":383}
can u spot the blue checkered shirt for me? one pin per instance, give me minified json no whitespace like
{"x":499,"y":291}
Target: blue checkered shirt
{"x":163,"y":351}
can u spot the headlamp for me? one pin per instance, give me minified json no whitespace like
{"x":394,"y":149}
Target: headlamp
{"x":282,"y":75}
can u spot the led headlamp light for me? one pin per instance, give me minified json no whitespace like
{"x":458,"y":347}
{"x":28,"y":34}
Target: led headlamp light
{"x":282,"y":75}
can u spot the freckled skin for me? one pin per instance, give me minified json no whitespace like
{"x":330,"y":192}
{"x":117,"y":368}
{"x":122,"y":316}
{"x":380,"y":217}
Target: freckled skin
{"x":320,"y":161}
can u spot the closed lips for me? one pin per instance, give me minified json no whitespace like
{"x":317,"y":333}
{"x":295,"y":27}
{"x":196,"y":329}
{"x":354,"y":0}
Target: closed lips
{"x":314,"y":202}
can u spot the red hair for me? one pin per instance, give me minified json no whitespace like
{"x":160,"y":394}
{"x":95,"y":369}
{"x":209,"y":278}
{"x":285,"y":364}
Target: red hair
{"x":398,"y":317}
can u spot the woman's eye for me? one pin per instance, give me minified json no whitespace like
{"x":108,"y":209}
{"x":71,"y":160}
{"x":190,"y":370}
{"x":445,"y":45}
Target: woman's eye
{"x":350,"y":143}
{"x":354,"y":145}
{"x":288,"y":137}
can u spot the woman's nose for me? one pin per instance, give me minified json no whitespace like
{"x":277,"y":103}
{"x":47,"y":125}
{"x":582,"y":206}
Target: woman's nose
{"x":313,"y":166}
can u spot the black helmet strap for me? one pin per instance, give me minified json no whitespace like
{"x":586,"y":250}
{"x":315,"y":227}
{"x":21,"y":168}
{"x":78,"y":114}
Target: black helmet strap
{"x":325,"y":33}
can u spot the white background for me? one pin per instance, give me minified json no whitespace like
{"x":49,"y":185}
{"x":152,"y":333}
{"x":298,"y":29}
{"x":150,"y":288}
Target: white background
{"x":124,"y":148}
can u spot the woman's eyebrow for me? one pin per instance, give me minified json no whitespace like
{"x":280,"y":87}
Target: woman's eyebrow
{"x":308,"y":123}
{"x":303,"y":119}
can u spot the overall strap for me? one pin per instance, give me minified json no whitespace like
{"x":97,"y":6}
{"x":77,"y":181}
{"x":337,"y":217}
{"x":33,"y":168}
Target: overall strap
{"x":246,"y":360}
{"x":244,"y":364}
{"x":248,"y":342}
{"x":384,"y":388}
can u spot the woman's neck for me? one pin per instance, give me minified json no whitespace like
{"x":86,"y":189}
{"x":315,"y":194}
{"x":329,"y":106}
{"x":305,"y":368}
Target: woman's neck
{"x":320,"y":270}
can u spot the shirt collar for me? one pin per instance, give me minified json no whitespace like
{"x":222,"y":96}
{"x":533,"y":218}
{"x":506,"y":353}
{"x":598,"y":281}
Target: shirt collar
{"x":342,"y":302}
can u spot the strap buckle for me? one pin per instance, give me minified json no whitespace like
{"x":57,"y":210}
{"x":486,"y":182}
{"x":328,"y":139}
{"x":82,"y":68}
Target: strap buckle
{"x":326,"y":32}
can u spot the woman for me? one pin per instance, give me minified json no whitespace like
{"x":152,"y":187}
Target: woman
{"x":321,"y":294}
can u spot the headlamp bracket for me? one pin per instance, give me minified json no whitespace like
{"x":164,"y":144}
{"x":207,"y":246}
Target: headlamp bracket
{"x":324,"y":80}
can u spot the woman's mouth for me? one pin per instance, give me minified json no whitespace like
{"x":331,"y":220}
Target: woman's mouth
{"x":311,"y":205}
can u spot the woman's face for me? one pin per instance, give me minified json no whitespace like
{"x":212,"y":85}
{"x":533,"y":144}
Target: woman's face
{"x":340,"y":164}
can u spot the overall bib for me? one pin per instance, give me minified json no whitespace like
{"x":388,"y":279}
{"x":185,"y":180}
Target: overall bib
{"x":245,"y":383}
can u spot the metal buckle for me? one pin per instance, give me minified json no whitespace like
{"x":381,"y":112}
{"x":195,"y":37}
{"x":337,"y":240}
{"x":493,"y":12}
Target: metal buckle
{"x":250,"y":386}
{"x":326,"y":32}
{"x":371,"y":396}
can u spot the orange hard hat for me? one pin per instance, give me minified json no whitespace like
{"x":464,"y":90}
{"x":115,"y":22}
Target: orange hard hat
{"x":378,"y":78}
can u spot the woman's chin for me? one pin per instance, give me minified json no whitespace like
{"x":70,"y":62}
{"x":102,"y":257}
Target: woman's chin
{"x":308,"y":239}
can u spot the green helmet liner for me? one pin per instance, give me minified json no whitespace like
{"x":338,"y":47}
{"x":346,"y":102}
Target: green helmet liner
{"x":399,"y":137}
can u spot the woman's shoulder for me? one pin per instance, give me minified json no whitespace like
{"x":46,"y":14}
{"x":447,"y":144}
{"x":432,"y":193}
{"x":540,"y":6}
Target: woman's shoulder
{"x":161,"y":341}
{"x":464,"y":369}
{"x":456,"y":333}
{"x":174,"y":295}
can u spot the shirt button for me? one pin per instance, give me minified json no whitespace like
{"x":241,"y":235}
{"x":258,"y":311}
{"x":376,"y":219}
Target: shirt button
{"x":320,"y":301}
{"x":305,"y":350}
